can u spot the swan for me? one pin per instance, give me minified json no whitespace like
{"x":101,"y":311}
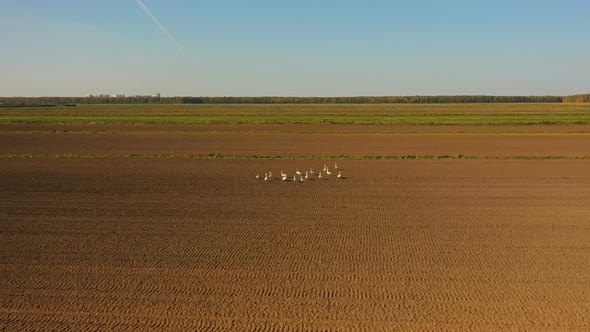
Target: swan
{"x":320,"y":176}
{"x":328,"y":171}
{"x":306,"y":175}
{"x":335,"y":165}
{"x":297,"y":172}
{"x":257,"y":177}
{"x":340,"y":175}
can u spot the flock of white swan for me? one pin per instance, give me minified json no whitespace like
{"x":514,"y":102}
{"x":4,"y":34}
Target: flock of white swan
{"x":300,"y":176}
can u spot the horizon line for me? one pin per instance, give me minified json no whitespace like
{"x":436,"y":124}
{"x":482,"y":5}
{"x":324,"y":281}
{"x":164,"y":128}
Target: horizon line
{"x":299,"y":96}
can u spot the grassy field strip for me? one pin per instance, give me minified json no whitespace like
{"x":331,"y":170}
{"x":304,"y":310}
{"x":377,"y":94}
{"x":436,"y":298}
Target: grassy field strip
{"x":303,"y":132}
{"x":415,"y":109}
{"x":306,"y":119}
{"x":255,"y":157}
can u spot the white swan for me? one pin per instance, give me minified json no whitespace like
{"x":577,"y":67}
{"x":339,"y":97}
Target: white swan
{"x":297,"y":172}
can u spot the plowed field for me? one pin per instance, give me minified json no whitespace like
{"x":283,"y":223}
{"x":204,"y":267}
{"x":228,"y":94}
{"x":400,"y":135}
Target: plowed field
{"x":163,"y":226}
{"x":119,"y":244}
{"x":537,"y":145}
{"x":287,"y":128}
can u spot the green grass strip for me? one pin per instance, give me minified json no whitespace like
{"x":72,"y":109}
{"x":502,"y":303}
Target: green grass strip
{"x":521,"y":119}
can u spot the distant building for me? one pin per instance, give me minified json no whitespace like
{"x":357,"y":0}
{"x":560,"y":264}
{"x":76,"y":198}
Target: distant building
{"x":100,"y":95}
{"x":120,"y":95}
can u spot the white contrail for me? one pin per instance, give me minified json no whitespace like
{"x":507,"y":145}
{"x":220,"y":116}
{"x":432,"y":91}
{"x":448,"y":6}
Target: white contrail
{"x":162,"y":27}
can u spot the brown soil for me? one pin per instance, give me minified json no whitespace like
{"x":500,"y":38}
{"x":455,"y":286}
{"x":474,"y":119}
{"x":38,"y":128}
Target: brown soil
{"x":298,"y":144}
{"x":126,"y":244}
{"x":303,"y":127}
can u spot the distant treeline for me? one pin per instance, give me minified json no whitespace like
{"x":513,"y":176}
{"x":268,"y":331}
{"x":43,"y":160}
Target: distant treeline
{"x":36,"y":101}
{"x":577,"y":99}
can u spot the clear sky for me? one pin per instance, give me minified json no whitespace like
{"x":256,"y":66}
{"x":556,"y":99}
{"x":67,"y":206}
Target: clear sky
{"x":295,"y":47}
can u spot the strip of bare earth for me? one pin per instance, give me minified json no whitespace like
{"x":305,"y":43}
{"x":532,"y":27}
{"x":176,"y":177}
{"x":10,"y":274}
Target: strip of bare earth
{"x":284,"y":129}
{"x":447,"y":120}
{"x":259,"y":157}
{"x":297,"y":145}
{"x":303,"y":132}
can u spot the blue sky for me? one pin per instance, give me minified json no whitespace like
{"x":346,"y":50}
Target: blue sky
{"x":295,"y":47}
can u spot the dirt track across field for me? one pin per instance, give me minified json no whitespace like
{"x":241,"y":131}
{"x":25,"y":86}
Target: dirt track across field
{"x":126,"y":244}
{"x":307,"y":128}
{"x":573,"y":145}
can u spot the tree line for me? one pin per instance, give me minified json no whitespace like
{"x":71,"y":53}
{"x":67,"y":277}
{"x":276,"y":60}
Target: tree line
{"x":577,"y":99}
{"x":48,"y":101}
